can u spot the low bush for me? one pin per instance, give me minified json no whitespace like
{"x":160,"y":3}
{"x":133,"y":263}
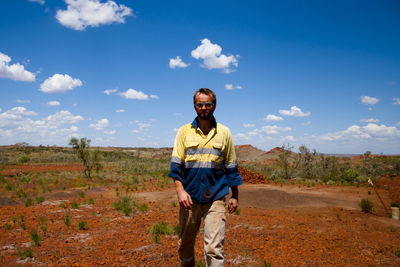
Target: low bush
{"x":161,"y":228}
{"x":67,"y":219}
{"x":25,"y":253}
{"x":82,"y":225}
{"x":39,"y":200}
{"x":35,"y":237}
{"x":366,"y":206}
{"x":124,"y":204}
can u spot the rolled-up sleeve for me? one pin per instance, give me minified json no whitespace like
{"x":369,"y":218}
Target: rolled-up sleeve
{"x":231,"y":167}
{"x":177,"y":159}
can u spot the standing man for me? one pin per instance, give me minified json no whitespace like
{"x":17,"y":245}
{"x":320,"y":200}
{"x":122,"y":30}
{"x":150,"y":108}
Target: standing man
{"x":204,"y":166}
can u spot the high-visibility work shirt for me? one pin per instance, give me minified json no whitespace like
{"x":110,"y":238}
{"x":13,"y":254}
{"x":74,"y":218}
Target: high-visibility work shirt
{"x":206,"y":165}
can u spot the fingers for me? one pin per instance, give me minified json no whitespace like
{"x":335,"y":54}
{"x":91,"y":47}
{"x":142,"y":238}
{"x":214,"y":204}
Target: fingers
{"x":185,"y":201}
{"x":232,"y":205}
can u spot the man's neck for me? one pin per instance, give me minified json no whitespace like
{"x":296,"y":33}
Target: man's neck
{"x":205,"y":125}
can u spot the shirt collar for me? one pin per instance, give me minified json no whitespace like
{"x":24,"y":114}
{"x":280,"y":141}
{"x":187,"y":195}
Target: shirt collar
{"x":213,"y":123}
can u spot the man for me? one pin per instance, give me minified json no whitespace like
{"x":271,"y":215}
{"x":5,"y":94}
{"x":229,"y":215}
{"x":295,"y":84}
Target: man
{"x":203,"y":166}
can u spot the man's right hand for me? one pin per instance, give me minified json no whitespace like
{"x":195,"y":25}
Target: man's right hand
{"x":183,"y":197}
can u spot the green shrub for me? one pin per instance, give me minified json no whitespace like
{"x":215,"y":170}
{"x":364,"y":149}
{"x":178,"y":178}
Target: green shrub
{"x":7,"y":226}
{"x":366,"y":206}
{"x":143,"y":208}
{"x":67,"y":219}
{"x":176,"y":228}
{"x":22,"y":224}
{"x":81,"y":194}
{"x":125,"y":205}
{"x":91,"y":201}
{"x":156,"y":239}
{"x":397,"y":253}
{"x":350,"y":175}
{"x":74,"y":205}
{"x":82,"y":225}
{"x":39,"y":200}
{"x":24,"y":159}
{"x":25,"y":253}
{"x":161,"y":228}
{"x":28,"y":202}
{"x":395,"y":204}
{"x":20,"y":193}
{"x":35,"y":237}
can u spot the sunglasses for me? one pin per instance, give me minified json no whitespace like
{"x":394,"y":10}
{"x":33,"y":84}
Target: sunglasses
{"x":206,"y":104}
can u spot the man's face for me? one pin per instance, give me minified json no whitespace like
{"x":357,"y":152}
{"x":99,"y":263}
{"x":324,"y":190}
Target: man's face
{"x":204,"y":106}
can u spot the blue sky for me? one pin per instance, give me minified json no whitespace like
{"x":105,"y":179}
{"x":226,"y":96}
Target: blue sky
{"x":123,"y":73}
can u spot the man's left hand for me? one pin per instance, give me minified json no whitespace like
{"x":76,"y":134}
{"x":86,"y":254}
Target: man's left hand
{"x":233,"y":204}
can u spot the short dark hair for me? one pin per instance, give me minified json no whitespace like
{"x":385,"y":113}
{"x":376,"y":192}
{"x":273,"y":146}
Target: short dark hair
{"x":205,"y":91}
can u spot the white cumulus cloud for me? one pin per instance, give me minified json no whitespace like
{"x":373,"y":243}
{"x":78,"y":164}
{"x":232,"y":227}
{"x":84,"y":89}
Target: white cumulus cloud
{"x":396,"y":101}
{"x":59,"y":83}
{"x":274,"y":129}
{"x":177,"y":63}
{"x":101,"y":124}
{"x":368,"y":100}
{"x":133,"y":94}
{"x":369,"y":120}
{"x":248,"y":125}
{"x":37,"y":1}
{"x":213,"y":59}
{"x":141,"y":126}
{"x":370,"y":131}
{"x":230,"y":86}
{"x":120,"y":110}
{"x":271,"y":117}
{"x":53,"y":103}
{"x":288,"y":138}
{"x":154,"y":97}
{"x":84,"y":13}
{"x":294,"y":111}
{"x":110,"y":132}
{"x":16,"y":125}
{"x":15,"y":71}
{"x":110,"y":91}
{"x":22,"y":101}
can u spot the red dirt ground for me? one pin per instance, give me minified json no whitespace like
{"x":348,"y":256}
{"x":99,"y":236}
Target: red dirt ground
{"x":15,"y":169}
{"x":284,"y":225}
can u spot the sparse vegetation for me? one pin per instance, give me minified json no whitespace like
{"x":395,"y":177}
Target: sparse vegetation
{"x":74,"y":205}
{"x":82,"y":225}
{"x":161,"y":228}
{"x":366,"y":206}
{"x":125,"y":204}
{"x":24,"y":253}
{"x":28,"y":202}
{"x":35,"y":237}
{"x":67,"y":219}
{"x":39,"y":200}
{"x":158,"y":229}
{"x":90,"y":159}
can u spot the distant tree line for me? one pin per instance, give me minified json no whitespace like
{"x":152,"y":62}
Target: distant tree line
{"x":309,"y":164}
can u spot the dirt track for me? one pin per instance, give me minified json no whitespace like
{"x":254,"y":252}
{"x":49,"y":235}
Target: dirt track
{"x":278,"y":197}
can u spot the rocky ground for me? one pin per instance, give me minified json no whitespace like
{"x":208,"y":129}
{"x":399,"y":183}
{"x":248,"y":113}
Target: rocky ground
{"x":281,"y":225}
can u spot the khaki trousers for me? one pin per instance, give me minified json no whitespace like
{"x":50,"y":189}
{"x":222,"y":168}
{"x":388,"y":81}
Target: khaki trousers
{"x":213,"y":215}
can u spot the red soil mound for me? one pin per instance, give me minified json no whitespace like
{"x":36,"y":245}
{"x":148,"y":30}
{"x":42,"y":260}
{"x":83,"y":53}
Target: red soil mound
{"x":252,"y":177}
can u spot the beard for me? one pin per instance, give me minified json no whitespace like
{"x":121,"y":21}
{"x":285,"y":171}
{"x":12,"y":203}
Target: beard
{"x":205,"y":114}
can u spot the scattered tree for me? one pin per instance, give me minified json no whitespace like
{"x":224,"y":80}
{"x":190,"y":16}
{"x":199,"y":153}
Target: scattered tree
{"x":90,"y":159}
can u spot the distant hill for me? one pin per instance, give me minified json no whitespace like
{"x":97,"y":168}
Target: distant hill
{"x":252,"y":154}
